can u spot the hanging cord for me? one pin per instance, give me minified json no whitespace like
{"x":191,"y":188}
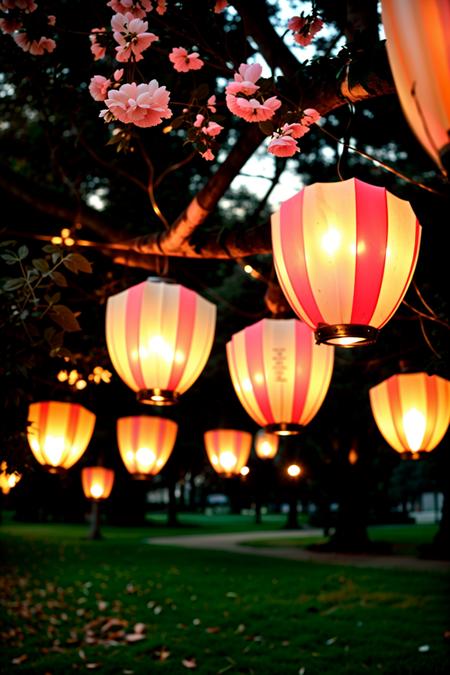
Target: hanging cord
{"x":344,"y":140}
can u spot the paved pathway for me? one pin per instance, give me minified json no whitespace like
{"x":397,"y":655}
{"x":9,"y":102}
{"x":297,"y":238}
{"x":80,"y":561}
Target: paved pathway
{"x":233,"y":543}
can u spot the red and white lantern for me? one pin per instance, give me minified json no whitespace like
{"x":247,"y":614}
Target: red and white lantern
{"x":228,"y":450}
{"x":266,"y":444}
{"x":159,"y":336}
{"x":145,"y":443}
{"x":345,"y":254}
{"x":412,"y":411}
{"x":418,"y":47}
{"x":279,"y":374}
{"x":59,"y":433}
{"x":97,"y":482}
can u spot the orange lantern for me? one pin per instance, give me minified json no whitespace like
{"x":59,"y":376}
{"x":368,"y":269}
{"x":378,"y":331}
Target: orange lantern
{"x":345,"y":254}
{"x":228,"y":450}
{"x":412,"y":411}
{"x":159,"y":336}
{"x":266,"y":444}
{"x":145,"y":443}
{"x":59,"y":433}
{"x":97,"y":482}
{"x":280,"y":376}
{"x":417,"y":42}
{"x":8,"y":480}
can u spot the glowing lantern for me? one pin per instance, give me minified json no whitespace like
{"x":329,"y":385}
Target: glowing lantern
{"x":412,"y":411}
{"x":59,"y":433}
{"x":97,"y":482}
{"x":159,"y":336}
{"x":417,"y":42}
{"x":293,"y":470}
{"x":145,"y":443}
{"x":228,"y":450}
{"x":352,"y":456}
{"x":345,"y":254}
{"x":280,"y":376}
{"x":266,"y":444}
{"x":8,"y":480}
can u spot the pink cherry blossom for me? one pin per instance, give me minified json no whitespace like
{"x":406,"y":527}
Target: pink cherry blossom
{"x":305,"y":28}
{"x":25,"y":5}
{"x":211,"y":103}
{"x":97,"y":49}
{"x":296,"y":130}
{"x":8,"y":25}
{"x":51,"y":19}
{"x":296,"y":23}
{"x":138,"y":8}
{"x":213,"y":129}
{"x":131,"y":36}
{"x":245,"y":79}
{"x":310,"y":116}
{"x":98,"y":87}
{"x":144,"y":105}
{"x":161,"y":7}
{"x":199,"y":121}
{"x":183,"y":62}
{"x":220,"y":5}
{"x":35,"y":47}
{"x":283,"y":146}
{"x":208,"y":155}
{"x":253,"y":110}
{"x":118,"y":74}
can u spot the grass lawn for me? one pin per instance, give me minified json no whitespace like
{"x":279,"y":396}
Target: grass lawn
{"x":65,"y":602}
{"x":403,"y":539}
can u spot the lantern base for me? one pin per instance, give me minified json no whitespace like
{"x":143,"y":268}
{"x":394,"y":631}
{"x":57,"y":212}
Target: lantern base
{"x":346,"y":334}
{"x":141,"y":476}
{"x":56,"y":470}
{"x":283,"y":429}
{"x":158,"y":396}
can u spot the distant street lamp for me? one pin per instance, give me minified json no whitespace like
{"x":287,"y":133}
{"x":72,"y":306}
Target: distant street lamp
{"x":145,"y":443}
{"x":244,"y":471}
{"x":97,"y":482}
{"x":280,"y":376}
{"x":228,"y":450}
{"x":293,"y":470}
{"x":412,"y":411}
{"x":266,"y":444}
{"x":345,"y":254}
{"x":8,"y":480}
{"x":159,"y":336}
{"x":59,"y":433}
{"x":417,"y":43}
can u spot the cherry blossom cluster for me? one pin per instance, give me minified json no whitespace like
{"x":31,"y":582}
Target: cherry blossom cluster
{"x":207,"y":130}
{"x":14,"y":23}
{"x":305,"y":28}
{"x":138,"y":8}
{"x":240,"y":95}
{"x":284,"y":142}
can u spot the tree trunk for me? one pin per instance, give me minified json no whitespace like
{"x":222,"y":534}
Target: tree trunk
{"x":172,"y":520}
{"x":94,"y":532}
{"x":292,"y":519}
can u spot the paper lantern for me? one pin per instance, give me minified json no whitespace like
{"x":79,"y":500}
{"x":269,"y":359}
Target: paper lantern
{"x":228,"y":450}
{"x":412,"y":411}
{"x":145,"y":443}
{"x":59,"y":433}
{"x":280,"y":376}
{"x":8,"y":480}
{"x":266,"y":444}
{"x":418,"y":47}
{"x":345,"y":254}
{"x":159,"y":336}
{"x":97,"y":482}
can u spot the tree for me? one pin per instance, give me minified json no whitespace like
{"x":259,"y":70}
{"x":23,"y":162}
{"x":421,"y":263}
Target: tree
{"x":143,"y":198}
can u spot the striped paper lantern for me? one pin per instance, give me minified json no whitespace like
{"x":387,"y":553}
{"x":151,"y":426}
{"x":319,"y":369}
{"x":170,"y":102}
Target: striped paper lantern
{"x":159,"y":336}
{"x":412,"y":411}
{"x":345,"y":254}
{"x":59,"y":433}
{"x":145,"y":443}
{"x":418,"y":46}
{"x":228,"y":450}
{"x":266,"y":444}
{"x":97,"y":482}
{"x":280,"y":376}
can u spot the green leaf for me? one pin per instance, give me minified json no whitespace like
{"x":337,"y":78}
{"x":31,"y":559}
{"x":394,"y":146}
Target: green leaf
{"x":267,"y":128}
{"x":177,"y":122}
{"x":22,"y":252}
{"x":75,"y":262}
{"x":49,"y":248}
{"x":52,"y":299}
{"x":65,"y":318}
{"x":14,"y":284}
{"x":10,"y":242}
{"x":9,"y":259}
{"x":41,"y":264}
{"x":59,"y":279}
